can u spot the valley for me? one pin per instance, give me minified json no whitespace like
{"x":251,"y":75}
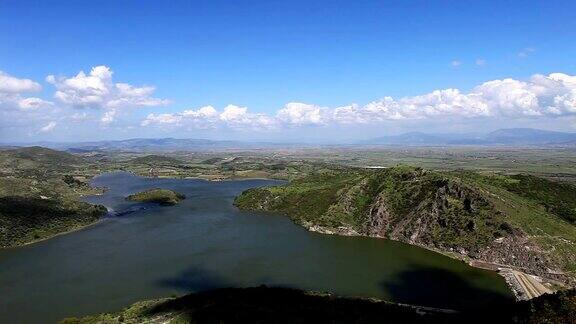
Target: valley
{"x":488,"y":208}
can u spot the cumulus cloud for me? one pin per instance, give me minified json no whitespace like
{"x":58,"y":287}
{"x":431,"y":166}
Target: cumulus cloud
{"x":98,"y":90}
{"x":48,"y":127}
{"x":204,"y":113}
{"x":550,"y":96}
{"x":456,"y":63}
{"x":162,"y":119}
{"x":208,"y":117}
{"x":12,"y":90}
{"x":10,"y":84}
{"x":301,"y":114}
{"x":541,"y":96}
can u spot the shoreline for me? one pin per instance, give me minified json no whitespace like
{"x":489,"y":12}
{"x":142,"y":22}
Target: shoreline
{"x":69,"y":231}
{"x":518,"y":289}
{"x":514,"y":278}
{"x":102,"y":190}
{"x":200,"y":177}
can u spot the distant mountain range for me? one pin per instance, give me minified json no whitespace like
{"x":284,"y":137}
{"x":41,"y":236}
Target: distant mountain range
{"x":152,"y":145}
{"x":512,"y":136}
{"x":502,"y":137}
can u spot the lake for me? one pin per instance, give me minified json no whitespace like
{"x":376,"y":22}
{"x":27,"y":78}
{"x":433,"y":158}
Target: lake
{"x":144,"y":251}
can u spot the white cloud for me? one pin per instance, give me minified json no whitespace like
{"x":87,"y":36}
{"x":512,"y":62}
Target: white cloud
{"x":109,"y":116}
{"x":98,"y":90}
{"x":12,"y":91}
{"x":550,"y":95}
{"x":541,"y":96}
{"x":204,"y":113}
{"x":234,"y":114}
{"x":162,"y":119}
{"x":79,"y":116}
{"x":456,"y":63}
{"x":204,"y":117}
{"x":48,"y":127}
{"x":480,"y":62}
{"x":33,"y":103}
{"x":208,"y":117}
{"x":10,"y":84}
{"x":301,"y":114}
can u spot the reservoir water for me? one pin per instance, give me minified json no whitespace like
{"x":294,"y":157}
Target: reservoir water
{"x":148,"y":251}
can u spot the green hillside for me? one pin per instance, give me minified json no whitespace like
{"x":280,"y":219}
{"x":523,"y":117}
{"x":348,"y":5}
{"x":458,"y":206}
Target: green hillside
{"x":519,"y":221}
{"x":40,"y":195}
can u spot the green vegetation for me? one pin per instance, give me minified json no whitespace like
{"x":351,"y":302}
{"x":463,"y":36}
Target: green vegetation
{"x":557,"y":198}
{"x":343,"y":198}
{"x":156,"y":160}
{"x":40,"y":195}
{"x":283,"y":305}
{"x":514,"y":207}
{"x":25,"y":219}
{"x":551,"y":163}
{"x":512,"y":220}
{"x":307,"y":199}
{"x":293,"y":163}
{"x":163,"y":197}
{"x":453,"y":211}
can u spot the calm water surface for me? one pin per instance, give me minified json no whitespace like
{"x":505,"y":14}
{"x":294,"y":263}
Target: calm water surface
{"x":147,"y":251}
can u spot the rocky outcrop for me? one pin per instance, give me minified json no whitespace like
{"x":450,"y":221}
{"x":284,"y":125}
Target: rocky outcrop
{"x":513,"y":249}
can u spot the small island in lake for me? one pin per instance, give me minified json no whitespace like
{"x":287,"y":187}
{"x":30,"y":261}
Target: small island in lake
{"x":164,"y":197}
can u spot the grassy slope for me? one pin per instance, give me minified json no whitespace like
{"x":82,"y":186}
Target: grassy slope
{"x":305,"y":200}
{"x":528,"y":203}
{"x":282,"y":305}
{"x":445,"y":210}
{"x":161,"y":196}
{"x":39,"y":197}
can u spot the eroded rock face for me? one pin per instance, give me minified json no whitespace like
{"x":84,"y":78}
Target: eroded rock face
{"x":514,"y":248}
{"x":379,"y":219}
{"x":416,"y":225}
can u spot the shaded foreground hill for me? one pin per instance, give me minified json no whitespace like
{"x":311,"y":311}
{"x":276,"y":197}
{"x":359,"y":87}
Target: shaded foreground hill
{"x":25,"y":219}
{"x":284,"y":305}
{"x":505,"y":137}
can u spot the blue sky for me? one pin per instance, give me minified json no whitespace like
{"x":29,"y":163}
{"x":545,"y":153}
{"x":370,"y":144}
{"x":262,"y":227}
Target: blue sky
{"x":263,"y":55}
